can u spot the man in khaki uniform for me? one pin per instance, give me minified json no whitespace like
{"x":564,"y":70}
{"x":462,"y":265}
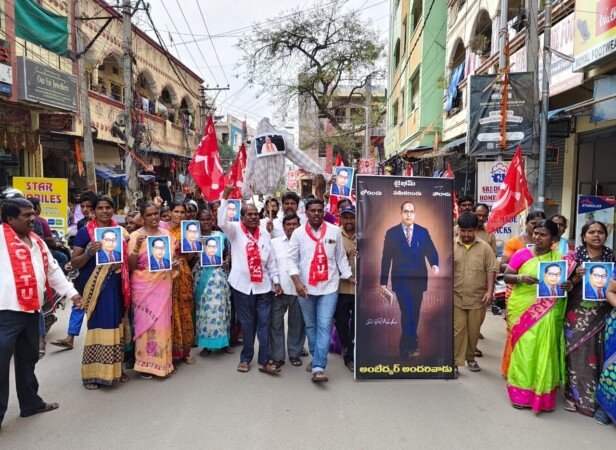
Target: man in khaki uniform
{"x":474,"y":274}
{"x":482,"y":211}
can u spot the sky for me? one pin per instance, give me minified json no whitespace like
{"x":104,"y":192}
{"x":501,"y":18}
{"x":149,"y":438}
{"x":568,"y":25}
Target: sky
{"x":225,"y":21}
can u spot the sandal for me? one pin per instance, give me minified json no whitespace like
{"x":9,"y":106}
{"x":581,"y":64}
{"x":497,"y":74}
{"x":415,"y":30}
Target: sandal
{"x":570,"y":406}
{"x":243,"y":367}
{"x":91,"y":386}
{"x":124,"y":378}
{"x":175,"y":369}
{"x":319,"y":377}
{"x":62,"y":343}
{"x":146,"y":376}
{"x":228,"y":350}
{"x":309,"y":367}
{"x":45,"y":408}
{"x":270,"y":368}
{"x":205,"y":352}
{"x":296,"y":362}
{"x":189,"y":360}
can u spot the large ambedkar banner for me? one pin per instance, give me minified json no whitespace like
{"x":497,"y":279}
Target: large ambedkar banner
{"x":404,"y":302}
{"x":53,"y":194}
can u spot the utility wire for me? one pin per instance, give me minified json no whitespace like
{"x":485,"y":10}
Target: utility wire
{"x":210,"y":38}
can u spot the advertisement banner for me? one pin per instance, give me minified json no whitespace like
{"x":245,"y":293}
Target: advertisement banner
{"x":53,"y":194}
{"x":593,"y":207}
{"x":484,"y":112}
{"x":404,"y":302}
{"x":490,"y":176}
{"x":595,"y":32}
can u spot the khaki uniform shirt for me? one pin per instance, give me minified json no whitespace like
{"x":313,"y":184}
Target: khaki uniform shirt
{"x":346,"y":287}
{"x":482,"y":234}
{"x":470,"y":273}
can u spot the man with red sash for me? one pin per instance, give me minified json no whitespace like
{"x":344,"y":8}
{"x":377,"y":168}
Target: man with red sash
{"x":252,"y":273}
{"x":27,"y":269}
{"x":317,"y":262}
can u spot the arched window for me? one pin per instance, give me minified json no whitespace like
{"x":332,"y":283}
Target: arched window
{"x":481,"y":43}
{"x":111,"y":78}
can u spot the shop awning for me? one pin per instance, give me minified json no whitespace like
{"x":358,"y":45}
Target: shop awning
{"x":577,"y":107}
{"x":455,"y":143}
{"x":116,"y":175}
{"x":163,"y":152}
{"x":40,"y":26}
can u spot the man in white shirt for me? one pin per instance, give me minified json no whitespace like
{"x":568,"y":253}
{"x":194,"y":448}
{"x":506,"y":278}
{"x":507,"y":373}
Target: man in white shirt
{"x":290,"y":204}
{"x":252,"y":273}
{"x":317,"y":261}
{"x":288,"y":300}
{"x":27,"y":267}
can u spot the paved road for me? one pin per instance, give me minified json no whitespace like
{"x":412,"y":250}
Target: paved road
{"x":211,"y":405}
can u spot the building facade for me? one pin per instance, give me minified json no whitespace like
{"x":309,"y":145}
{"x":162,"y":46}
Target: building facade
{"x":166,"y":101}
{"x":416,"y":66}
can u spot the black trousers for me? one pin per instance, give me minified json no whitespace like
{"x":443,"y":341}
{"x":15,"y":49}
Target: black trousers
{"x":409,"y":301}
{"x":19,"y":336}
{"x":345,"y":324}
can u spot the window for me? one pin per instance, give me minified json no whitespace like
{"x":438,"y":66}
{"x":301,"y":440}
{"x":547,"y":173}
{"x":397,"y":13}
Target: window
{"x":396,"y":58}
{"x":403,"y":34}
{"x":225,"y":138}
{"x":415,"y":94}
{"x":417,"y":13}
{"x":394,"y":114}
{"x":402,"y":106}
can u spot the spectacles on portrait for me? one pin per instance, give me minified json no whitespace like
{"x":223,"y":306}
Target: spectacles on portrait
{"x":407,"y":212}
{"x":110,"y":240}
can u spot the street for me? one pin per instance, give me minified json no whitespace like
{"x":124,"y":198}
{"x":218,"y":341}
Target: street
{"x":211,"y":405}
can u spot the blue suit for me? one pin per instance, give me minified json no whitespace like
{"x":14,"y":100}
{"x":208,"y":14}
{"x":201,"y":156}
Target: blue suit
{"x":166,"y":264}
{"x":205,"y":260}
{"x":409,"y":276}
{"x":186,"y":246}
{"x":345,"y":191}
{"x":102,"y":257}
{"x":591,"y":293}
{"x":544,"y":290}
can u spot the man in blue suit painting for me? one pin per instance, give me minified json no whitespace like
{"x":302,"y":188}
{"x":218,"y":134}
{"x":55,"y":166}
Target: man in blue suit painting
{"x":158,"y":260}
{"x":191,"y":243}
{"x":340,"y":187}
{"x":407,"y":248}
{"x":595,"y":288}
{"x":550,"y":285}
{"x":108,"y":253}
{"x":210,"y":256}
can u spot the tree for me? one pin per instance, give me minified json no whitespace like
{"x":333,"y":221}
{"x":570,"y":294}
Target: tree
{"x":322,"y":58}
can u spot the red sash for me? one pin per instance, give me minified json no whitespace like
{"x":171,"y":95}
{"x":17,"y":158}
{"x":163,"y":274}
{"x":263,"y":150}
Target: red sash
{"x":23,"y":269}
{"x":254,"y":255}
{"x":319,"y":268}
{"x":91,"y":226}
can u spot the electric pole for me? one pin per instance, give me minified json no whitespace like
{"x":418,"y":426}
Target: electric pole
{"x":532,"y":55}
{"x":130,"y":167}
{"x":545,"y":104}
{"x":84,"y":105}
{"x":368,"y":116}
{"x":503,"y":60}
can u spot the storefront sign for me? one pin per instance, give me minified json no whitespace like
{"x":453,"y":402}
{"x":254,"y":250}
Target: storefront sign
{"x":42,"y":84}
{"x":5,"y":52}
{"x":6,"y":74}
{"x":606,"y":109}
{"x":14,"y":117}
{"x":53,"y":194}
{"x":484,"y":130}
{"x":599,"y":208}
{"x":490,"y":176}
{"x":595,"y":32}
{"x":393,"y":277}
{"x":56,"y":122}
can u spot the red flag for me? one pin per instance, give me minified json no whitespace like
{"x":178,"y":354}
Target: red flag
{"x":339,"y":161}
{"x":236,"y":174}
{"x":205,"y":166}
{"x":172,"y":165}
{"x":409,"y":171}
{"x":449,"y":174}
{"x":513,"y":197}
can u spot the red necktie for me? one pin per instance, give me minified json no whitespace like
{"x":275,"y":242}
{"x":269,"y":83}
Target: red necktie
{"x":111,"y":258}
{"x":554,"y":293}
{"x":600,"y":295}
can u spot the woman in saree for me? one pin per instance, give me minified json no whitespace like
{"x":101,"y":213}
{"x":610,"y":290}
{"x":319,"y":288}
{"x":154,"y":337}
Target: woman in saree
{"x":537,"y":366}
{"x":585,"y":323}
{"x":212,"y":296}
{"x":151,"y":299}
{"x":511,"y":246}
{"x":106,"y":294}
{"x":183,"y":329}
{"x":606,"y":388}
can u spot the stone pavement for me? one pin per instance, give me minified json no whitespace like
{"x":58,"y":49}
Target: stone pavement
{"x":211,"y":405}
